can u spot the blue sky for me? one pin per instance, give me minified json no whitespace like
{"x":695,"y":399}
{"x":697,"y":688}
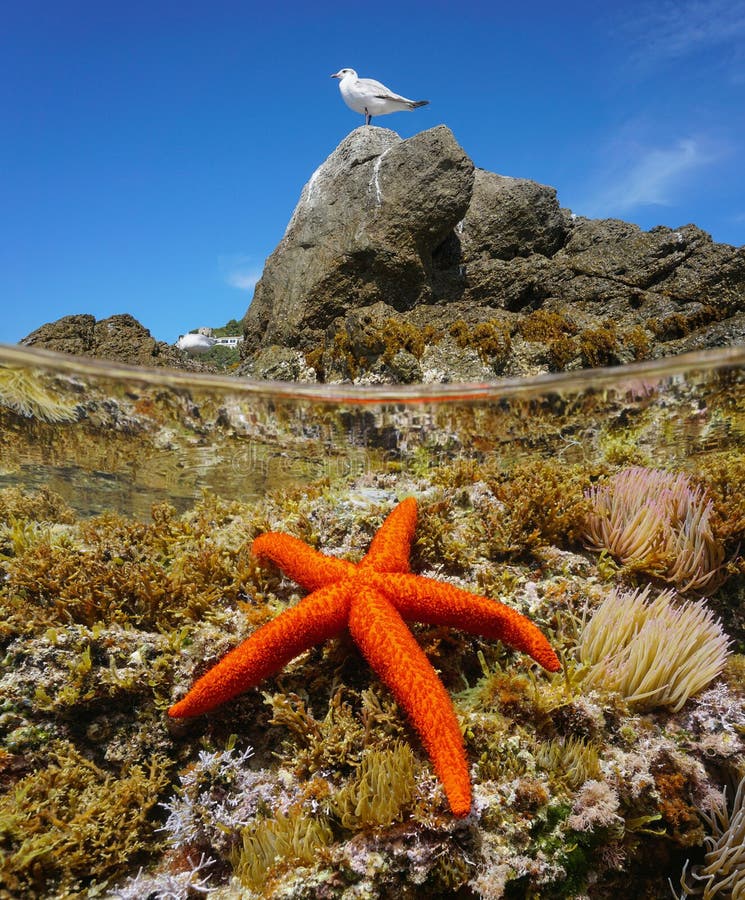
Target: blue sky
{"x":151,"y":153}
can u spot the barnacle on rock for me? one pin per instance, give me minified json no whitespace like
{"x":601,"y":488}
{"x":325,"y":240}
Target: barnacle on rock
{"x":656,"y":522}
{"x":656,"y":653}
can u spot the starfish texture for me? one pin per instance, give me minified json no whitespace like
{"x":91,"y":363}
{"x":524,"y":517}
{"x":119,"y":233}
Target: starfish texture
{"x":373,"y":600}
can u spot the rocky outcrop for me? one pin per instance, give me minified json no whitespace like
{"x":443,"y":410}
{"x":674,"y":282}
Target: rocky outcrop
{"x":509,"y":217}
{"x":365,"y":230}
{"x":120,"y":338}
{"x":402,"y":263}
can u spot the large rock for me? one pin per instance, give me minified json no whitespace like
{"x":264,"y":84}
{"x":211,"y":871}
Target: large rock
{"x":401,"y":262}
{"x":509,"y":217}
{"x":365,"y":230}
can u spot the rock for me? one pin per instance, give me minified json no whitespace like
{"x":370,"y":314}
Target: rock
{"x":402,"y":262}
{"x":70,"y":334}
{"x":445,"y":362}
{"x":365,"y":230}
{"x":275,"y":363}
{"x":721,"y":334}
{"x":510,"y":217}
{"x":120,"y":338}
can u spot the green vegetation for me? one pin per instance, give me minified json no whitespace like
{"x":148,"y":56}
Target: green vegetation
{"x":69,"y":820}
{"x":230,"y":329}
{"x":222,"y":357}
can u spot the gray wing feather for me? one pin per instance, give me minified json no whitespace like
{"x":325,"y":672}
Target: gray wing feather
{"x":379,"y":90}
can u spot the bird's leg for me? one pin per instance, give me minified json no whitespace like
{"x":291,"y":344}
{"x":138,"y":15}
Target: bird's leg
{"x":368,"y":117}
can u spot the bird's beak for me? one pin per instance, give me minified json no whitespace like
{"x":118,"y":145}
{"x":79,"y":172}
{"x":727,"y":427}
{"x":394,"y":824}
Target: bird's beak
{"x":337,"y":75}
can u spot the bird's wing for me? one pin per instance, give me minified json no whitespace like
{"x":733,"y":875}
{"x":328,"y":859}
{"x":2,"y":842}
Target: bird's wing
{"x":370,"y":85}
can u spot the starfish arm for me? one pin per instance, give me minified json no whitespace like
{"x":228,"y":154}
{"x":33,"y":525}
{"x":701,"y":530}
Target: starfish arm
{"x":308,"y":567}
{"x":390,"y":548}
{"x":397,"y":659}
{"x":319,"y":616}
{"x":422,"y":599}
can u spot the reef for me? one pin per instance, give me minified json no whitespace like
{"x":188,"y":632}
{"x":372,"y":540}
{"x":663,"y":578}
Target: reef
{"x":314,"y":785}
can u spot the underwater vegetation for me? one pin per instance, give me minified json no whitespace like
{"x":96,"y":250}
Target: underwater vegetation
{"x":55,"y":821}
{"x":372,"y":601}
{"x":151,"y":576}
{"x":599,"y":781}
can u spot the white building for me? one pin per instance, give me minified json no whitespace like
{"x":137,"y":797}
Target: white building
{"x":232,"y":340}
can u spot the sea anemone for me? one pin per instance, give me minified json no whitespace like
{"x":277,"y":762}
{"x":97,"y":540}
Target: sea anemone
{"x":383,"y":787}
{"x":656,"y":522}
{"x":723,"y":870}
{"x":656,"y":653}
{"x":30,"y":394}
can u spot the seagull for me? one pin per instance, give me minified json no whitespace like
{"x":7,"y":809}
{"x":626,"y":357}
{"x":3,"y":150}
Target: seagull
{"x":370,"y":97}
{"x":195,"y":344}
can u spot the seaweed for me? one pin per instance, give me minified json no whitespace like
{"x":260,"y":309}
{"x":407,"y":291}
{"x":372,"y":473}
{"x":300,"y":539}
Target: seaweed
{"x":104,"y":620}
{"x":69,"y":823}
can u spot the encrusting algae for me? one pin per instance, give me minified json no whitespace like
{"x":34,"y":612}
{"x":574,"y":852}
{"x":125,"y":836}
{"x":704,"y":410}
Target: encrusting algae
{"x":315,"y":785}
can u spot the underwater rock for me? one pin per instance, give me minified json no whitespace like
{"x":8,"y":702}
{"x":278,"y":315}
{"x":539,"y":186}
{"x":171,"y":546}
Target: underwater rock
{"x":311,"y":786}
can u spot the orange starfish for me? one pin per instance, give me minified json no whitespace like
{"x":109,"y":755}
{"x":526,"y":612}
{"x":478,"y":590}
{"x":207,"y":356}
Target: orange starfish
{"x":373,"y":599}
